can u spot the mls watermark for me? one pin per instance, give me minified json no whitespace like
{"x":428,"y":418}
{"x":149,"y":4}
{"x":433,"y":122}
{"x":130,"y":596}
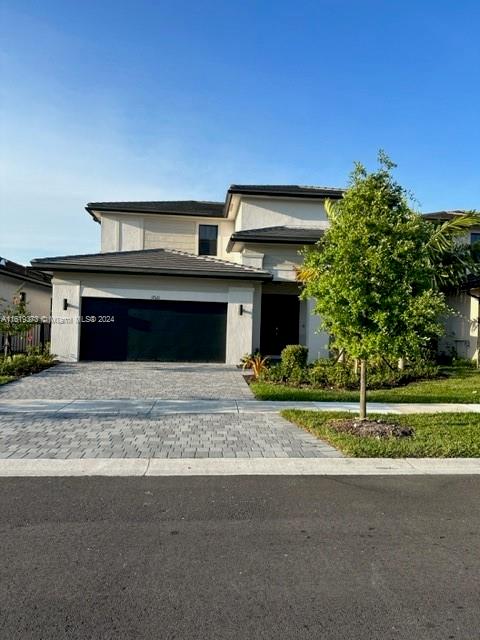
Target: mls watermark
{"x":33,"y":319}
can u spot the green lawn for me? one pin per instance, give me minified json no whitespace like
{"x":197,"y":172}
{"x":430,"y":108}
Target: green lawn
{"x":5,"y":379}
{"x":461,"y":384}
{"x":452,"y":435}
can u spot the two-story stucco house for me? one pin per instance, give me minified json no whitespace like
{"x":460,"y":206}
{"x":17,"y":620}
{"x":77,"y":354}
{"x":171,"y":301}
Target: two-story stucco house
{"x":191,"y":281}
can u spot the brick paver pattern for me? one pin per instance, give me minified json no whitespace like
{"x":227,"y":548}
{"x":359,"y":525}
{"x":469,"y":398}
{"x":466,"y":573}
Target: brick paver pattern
{"x":224,"y":435}
{"x":115,"y":380}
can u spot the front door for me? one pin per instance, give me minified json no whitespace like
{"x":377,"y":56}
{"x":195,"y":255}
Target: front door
{"x":279,"y":323}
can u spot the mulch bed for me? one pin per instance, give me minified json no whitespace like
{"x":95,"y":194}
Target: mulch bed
{"x":371,"y":428}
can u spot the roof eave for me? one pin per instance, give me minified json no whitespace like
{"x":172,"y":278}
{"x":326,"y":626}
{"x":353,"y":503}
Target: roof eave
{"x":188,"y":273}
{"x":92,"y":211}
{"x":26,"y":278}
{"x":312,"y":195}
{"x":262,"y":240}
{"x":237,"y":243}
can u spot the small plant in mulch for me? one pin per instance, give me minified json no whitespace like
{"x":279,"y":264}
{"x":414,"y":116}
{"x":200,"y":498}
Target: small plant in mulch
{"x":371,"y":428}
{"x":256,"y":363}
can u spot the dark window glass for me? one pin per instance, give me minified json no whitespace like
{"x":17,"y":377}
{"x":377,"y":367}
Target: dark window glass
{"x":207,"y":239}
{"x":474,"y":237}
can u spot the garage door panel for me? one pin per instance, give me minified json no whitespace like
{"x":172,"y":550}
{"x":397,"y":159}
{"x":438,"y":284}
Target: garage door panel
{"x":154,"y":330}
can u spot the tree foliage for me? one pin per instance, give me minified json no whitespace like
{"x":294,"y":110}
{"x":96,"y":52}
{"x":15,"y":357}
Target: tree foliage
{"x":372,"y":274}
{"x":15,"y":319}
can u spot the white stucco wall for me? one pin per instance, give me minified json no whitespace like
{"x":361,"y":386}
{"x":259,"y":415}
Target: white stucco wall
{"x":255,"y":213}
{"x":38,"y":297}
{"x":279,"y":260}
{"x":461,"y":329}
{"x":66,"y":335}
{"x":122,"y":232}
{"x":110,"y":233}
{"x":170,"y":233}
{"x":65,"y":330}
{"x":131,"y":233}
{"x":316,"y":340}
{"x":257,"y":313}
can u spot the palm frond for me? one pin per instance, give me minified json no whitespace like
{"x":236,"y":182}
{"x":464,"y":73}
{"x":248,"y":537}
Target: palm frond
{"x":305,"y":273}
{"x":332,"y":207}
{"x":444,"y":234}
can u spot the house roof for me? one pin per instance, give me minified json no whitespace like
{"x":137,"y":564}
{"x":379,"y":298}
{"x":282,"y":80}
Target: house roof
{"x":209,"y":208}
{"x":26,"y":274}
{"x":444,"y":215}
{"x":152,"y":262}
{"x":289,"y":190}
{"x":277,"y":235}
{"x":164,"y":207}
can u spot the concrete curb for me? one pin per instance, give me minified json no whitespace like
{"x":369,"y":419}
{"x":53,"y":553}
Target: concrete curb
{"x":132,"y":467}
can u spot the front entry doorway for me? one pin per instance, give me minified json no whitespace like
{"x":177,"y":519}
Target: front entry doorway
{"x":279,"y":323}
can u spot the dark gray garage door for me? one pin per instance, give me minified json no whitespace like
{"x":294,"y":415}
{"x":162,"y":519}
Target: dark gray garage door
{"x":169,"y":331}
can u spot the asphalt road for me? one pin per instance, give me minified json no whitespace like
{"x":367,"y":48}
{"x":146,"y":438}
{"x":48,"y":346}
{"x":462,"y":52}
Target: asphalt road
{"x":240,"y":557}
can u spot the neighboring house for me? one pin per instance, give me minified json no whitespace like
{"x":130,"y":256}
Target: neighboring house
{"x":33,"y":286}
{"x":462,"y":337}
{"x":204,"y":281}
{"x":191,"y":281}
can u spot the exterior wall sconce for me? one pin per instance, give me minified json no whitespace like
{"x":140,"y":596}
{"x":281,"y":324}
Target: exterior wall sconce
{"x":240,"y":309}
{"x":23,"y":296}
{"x":65,"y":304}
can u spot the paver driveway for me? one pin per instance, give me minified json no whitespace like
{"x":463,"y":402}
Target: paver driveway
{"x":224,"y":435}
{"x":49,"y":429}
{"x":133,"y":380}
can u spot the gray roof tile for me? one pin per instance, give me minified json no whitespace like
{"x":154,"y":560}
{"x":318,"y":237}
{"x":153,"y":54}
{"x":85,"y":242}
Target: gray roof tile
{"x":18,"y":271}
{"x":152,"y":262}
{"x":291,"y":190}
{"x":165,"y":207}
{"x":279,"y":234}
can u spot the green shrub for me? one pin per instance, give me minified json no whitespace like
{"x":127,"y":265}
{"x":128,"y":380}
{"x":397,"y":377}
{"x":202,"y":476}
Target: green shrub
{"x":25,"y":364}
{"x":297,"y":376}
{"x":326,"y":373}
{"x":330,"y":374}
{"x":39,"y":350}
{"x":294,"y":356}
{"x":273,"y":373}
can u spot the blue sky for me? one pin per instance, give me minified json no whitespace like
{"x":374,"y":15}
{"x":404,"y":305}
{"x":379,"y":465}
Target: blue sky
{"x":103,"y":100}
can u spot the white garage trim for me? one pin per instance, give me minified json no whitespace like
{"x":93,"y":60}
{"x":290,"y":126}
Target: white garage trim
{"x":67,"y":323}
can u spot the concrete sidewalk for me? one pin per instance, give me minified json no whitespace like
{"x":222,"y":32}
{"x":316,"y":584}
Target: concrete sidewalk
{"x":235,"y":467}
{"x":155,"y":407}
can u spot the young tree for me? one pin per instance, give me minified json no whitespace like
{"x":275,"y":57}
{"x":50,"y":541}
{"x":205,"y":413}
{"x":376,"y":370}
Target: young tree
{"x":372,"y":275}
{"x":14,"y":320}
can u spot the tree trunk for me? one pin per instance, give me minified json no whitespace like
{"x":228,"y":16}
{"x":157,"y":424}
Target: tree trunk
{"x":363,"y":389}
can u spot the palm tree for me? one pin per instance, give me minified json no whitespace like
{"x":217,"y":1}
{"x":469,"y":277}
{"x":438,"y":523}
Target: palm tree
{"x":452,"y":259}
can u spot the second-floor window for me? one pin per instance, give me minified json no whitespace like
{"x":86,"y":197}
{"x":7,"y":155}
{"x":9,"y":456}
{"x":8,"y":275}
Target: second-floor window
{"x":207,"y":239}
{"x":474,"y":238}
